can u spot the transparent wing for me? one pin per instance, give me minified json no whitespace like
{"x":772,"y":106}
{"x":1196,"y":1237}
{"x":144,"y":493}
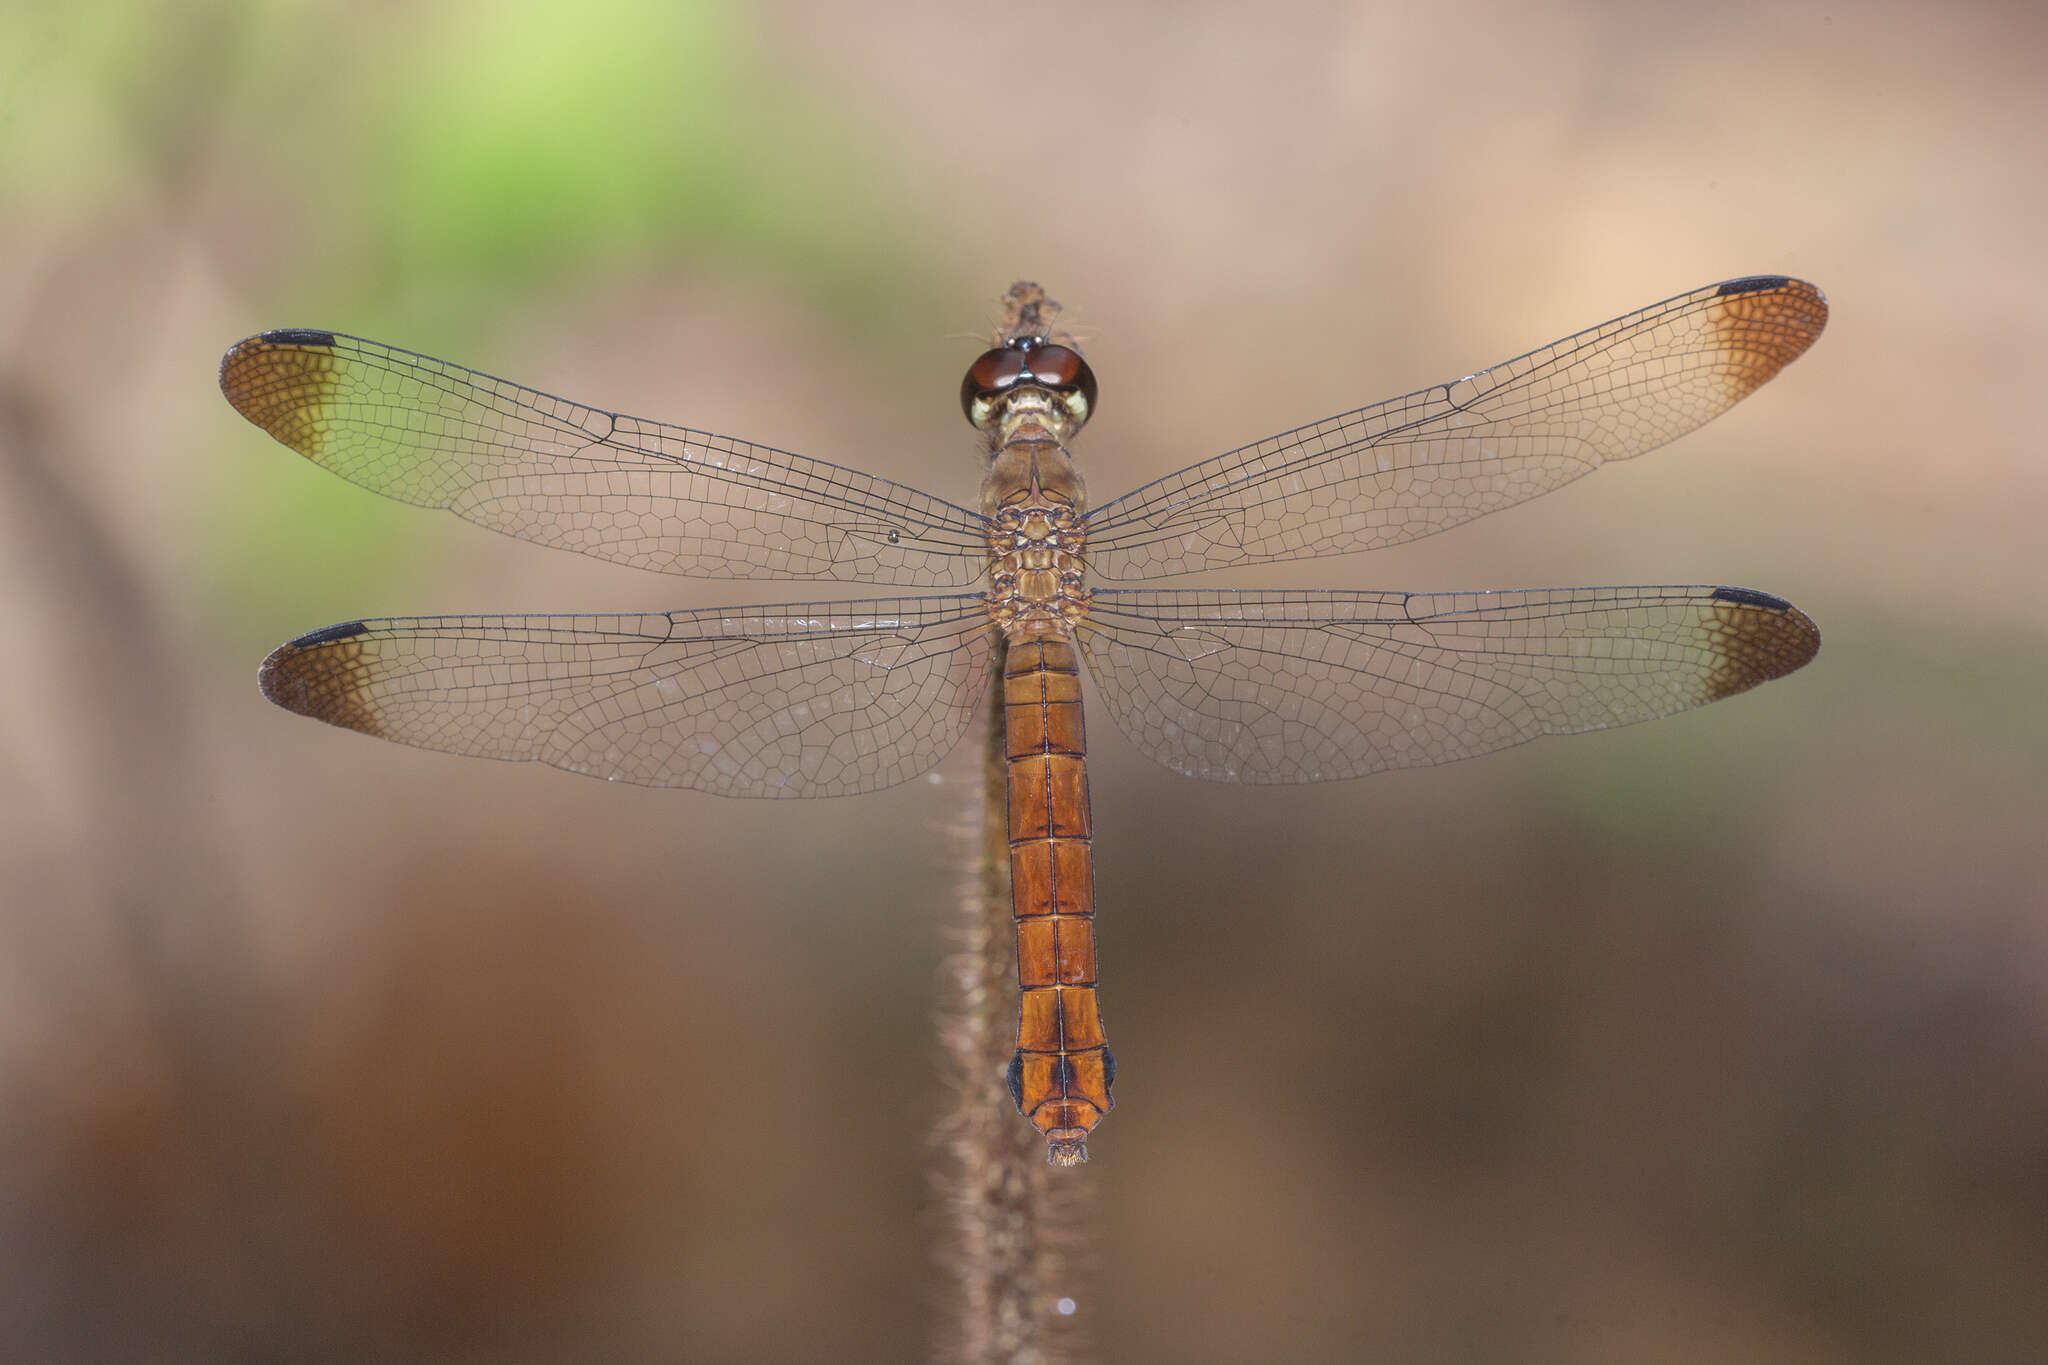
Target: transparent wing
{"x":1415,"y":465}
{"x":1269,"y":687}
{"x":804,"y":700}
{"x":579,"y":478}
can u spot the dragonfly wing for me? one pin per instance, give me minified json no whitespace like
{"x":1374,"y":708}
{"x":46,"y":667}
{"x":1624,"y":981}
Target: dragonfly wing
{"x":1415,"y":465}
{"x":1271,"y":687}
{"x":780,"y":701}
{"x":621,"y":488}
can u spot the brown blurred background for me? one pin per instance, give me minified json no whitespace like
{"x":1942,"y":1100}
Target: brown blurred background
{"x":1720,"y":1039}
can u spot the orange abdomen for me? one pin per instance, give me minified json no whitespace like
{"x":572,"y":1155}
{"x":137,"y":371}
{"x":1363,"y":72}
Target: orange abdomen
{"x":1063,"y":1069}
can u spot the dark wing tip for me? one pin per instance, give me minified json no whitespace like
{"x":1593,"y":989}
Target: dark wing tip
{"x":296,"y":336}
{"x":1761,"y":637}
{"x":1765,"y":322}
{"x":350,"y":629}
{"x":1807,"y":294}
{"x":277,"y":380}
{"x":321,"y":674}
{"x":1753,"y":284}
{"x":1759,"y":284}
{"x":1748,"y":597}
{"x":244,"y":353}
{"x":282,"y":682}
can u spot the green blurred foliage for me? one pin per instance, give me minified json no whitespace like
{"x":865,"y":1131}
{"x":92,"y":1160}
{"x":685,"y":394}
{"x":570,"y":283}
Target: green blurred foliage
{"x":466,"y":148}
{"x":426,"y":174}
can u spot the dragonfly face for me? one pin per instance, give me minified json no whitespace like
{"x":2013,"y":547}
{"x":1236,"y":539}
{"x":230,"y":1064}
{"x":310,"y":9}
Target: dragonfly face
{"x":833,"y":698}
{"x":1028,"y":379}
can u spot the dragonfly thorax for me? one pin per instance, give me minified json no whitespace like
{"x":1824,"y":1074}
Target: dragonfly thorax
{"x":1035,"y":581}
{"x":1034,"y":500}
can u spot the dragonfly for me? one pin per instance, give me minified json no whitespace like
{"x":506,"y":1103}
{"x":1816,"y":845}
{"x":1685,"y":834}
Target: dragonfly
{"x":832,"y":698}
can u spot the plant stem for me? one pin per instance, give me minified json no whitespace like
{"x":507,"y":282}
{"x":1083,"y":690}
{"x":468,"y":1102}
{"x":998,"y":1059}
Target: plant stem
{"x":1013,"y":1219}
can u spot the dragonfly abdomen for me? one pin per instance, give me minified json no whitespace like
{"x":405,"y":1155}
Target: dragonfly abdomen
{"x":1061,"y":1075}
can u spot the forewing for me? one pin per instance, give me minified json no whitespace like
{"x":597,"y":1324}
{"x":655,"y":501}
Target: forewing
{"x":1270,"y":687}
{"x":780,"y":701}
{"x":1418,"y":464}
{"x":578,"y":478}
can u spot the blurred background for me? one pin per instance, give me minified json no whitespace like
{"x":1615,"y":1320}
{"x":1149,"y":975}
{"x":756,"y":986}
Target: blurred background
{"x":1720,"y":1039}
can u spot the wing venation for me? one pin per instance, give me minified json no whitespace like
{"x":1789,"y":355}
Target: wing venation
{"x":579,"y":478}
{"x":1429,"y":460}
{"x":822,"y":699}
{"x":1282,"y":687}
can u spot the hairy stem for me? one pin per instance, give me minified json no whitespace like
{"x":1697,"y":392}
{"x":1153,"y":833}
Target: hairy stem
{"x":1012,"y":1217}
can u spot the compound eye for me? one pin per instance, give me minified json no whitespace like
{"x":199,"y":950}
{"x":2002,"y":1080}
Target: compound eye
{"x":998,"y":369}
{"x":1056,"y":366}
{"x":1062,"y":369}
{"x":1057,"y":369}
{"x":992,"y":375}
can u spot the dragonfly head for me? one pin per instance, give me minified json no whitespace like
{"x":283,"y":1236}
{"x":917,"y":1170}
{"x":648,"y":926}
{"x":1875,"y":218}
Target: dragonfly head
{"x":1028,"y":379}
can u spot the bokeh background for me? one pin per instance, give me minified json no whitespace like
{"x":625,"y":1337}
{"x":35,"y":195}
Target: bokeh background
{"x":1720,"y":1039}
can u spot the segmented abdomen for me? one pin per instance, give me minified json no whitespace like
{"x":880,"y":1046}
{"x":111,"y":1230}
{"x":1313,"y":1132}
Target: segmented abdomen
{"x":1063,"y":1070}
